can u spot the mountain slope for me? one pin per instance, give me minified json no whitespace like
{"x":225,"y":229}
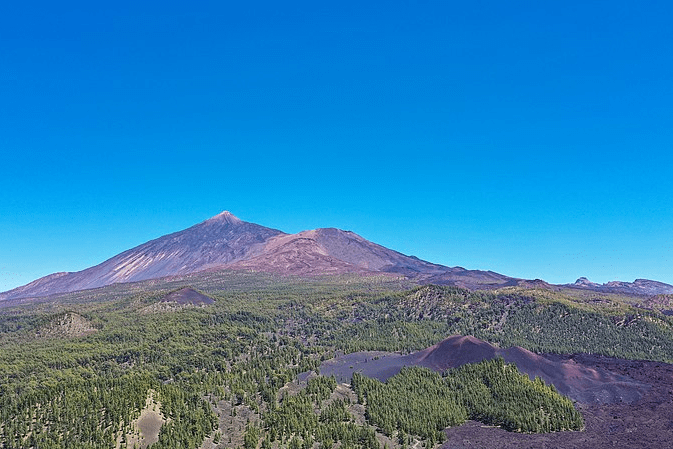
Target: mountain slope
{"x":225,"y":241}
{"x":330,"y":250}
{"x":213,"y":243}
{"x":582,"y":383}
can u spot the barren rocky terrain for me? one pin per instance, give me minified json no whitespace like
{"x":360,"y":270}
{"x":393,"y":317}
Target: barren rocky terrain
{"x":582,"y":382}
{"x":225,"y":241}
{"x":624,"y":403}
{"x":646,"y":423}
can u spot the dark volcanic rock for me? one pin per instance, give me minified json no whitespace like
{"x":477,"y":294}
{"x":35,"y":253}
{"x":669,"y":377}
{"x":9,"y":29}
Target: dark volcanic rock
{"x":646,"y":423}
{"x":586,"y":385}
{"x":582,"y":383}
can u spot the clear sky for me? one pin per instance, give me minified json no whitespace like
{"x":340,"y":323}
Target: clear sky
{"x":531,"y":138}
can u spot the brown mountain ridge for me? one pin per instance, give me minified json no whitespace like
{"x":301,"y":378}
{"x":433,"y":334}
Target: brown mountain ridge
{"x":227,"y":242}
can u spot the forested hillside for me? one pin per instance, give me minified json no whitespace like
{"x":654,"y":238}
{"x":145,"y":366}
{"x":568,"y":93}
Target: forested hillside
{"x":226,"y":374}
{"x":418,"y":401}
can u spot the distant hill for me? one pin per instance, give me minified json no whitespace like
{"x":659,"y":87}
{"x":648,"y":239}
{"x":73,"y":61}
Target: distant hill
{"x":644,"y":287}
{"x":226,"y":242}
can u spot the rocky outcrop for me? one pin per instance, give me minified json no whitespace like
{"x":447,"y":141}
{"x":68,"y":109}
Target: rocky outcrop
{"x":644,"y":287}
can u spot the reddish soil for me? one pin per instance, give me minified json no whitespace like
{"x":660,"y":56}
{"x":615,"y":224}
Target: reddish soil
{"x":298,"y":254}
{"x":625,"y":403}
{"x":646,"y":423}
{"x":583,"y":383}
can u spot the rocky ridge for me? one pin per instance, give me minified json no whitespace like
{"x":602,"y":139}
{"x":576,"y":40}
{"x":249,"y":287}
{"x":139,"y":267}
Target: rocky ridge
{"x":227,"y":242}
{"x":643,"y":287}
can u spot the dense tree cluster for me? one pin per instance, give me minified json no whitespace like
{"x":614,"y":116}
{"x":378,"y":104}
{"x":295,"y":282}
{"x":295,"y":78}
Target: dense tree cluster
{"x":96,"y":412}
{"x":302,"y":419}
{"x":498,"y":394}
{"x":416,"y":401}
{"x":540,"y":321}
{"x":420,"y":402}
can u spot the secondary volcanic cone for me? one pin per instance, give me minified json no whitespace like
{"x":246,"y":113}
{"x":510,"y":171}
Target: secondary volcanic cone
{"x":582,"y":383}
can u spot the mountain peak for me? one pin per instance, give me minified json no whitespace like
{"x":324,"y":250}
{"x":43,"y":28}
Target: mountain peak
{"x":225,"y":217}
{"x":585,"y":282}
{"x":226,"y":242}
{"x":637,"y":287}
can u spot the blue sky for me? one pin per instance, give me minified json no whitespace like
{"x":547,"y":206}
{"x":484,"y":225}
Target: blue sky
{"x":530,"y":138}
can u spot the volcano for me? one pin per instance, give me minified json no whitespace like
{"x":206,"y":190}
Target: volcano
{"x":227,"y":242}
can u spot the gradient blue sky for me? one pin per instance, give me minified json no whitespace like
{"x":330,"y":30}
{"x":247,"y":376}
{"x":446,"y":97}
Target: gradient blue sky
{"x":530,"y":138}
